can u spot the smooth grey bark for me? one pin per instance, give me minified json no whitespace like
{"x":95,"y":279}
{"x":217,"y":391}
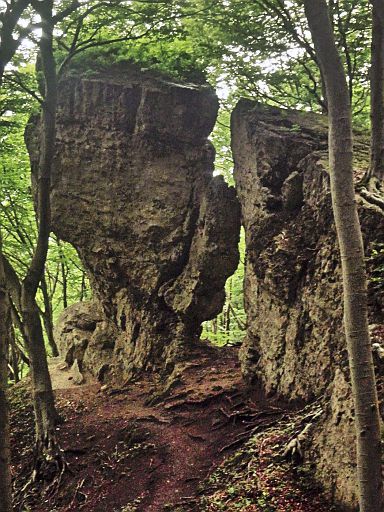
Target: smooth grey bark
{"x":352,"y":260}
{"x":376,"y":172}
{"x":5,"y":457}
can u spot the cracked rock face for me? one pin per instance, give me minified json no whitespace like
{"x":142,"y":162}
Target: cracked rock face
{"x":295,"y":344}
{"x":133,"y":191}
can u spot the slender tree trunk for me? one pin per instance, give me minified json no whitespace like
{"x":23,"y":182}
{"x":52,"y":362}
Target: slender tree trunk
{"x":5,"y":457}
{"x":376,"y":172}
{"x":48,"y":318}
{"x":44,"y":405}
{"x":65,"y":286}
{"x":29,"y":325}
{"x":8,"y":43}
{"x":228,"y":318}
{"x":46,"y":417}
{"x":64,"y":274}
{"x":14,"y":355}
{"x":82,"y":289}
{"x":352,"y":260}
{"x":228,"y":308}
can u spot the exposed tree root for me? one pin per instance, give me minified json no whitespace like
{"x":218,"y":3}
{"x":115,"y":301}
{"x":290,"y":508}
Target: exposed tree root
{"x":295,"y":448}
{"x":374,"y":197}
{"x":46,"y":475}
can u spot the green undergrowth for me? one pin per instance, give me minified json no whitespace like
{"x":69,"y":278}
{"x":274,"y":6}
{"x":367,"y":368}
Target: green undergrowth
{"x":375,"y":259}
{"x":258,"y":478}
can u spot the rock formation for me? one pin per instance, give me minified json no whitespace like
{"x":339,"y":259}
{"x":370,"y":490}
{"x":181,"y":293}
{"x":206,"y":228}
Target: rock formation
{"x":295,"y":346}
{"x":133,"y":190}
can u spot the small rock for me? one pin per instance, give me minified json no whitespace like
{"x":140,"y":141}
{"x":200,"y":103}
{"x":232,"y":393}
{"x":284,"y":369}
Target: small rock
{"x":78,"y":377}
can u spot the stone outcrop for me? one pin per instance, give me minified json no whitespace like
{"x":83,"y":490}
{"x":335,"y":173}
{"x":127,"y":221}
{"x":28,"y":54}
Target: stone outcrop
{"x":133,"y":190}
{"x":295,"y":346}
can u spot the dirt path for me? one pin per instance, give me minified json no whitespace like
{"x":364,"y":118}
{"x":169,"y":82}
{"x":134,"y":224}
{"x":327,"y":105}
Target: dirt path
{"x":63,"y":377}
{"x":121,"y":451}
{"x":124,"y":455}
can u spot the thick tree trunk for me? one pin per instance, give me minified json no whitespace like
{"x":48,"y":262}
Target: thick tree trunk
{"x":376,"y":172}
{"x":5,"y":458}
{"x":352,"y":259}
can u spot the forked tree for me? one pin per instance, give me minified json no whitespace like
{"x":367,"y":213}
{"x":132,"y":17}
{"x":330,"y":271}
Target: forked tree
{"x":24,"y":292}
{"x":352,"y":259}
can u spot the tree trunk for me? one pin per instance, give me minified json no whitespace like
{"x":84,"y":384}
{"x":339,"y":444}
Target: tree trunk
{"x":45,"y":412}
{"x":8,"y":43}
{"x":5,"y":457}
{"x":228,"y":308}
{"x":82,"y":289}
{"x":29,"y":325}
{"x":48,"y":319}
{"x":46,"y":417}
{"x":14,"y":355}
{"x":376,"y":172}
{"x":352,"y":260}
{"x":65,"y":286}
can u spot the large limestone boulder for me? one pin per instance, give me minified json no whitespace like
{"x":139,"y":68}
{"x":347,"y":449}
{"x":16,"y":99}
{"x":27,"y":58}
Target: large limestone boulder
{"x":133,"y":190}
{"x":295,"y":345}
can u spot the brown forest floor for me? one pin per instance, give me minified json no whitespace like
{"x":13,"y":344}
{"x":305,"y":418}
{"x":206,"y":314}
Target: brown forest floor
{"x":183,"y":454}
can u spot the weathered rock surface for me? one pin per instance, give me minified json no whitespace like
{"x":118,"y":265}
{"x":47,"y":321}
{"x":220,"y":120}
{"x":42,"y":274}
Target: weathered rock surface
{"x":86,"y":337}
{"x":295,"y":344}
{"x":133,"y":191}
